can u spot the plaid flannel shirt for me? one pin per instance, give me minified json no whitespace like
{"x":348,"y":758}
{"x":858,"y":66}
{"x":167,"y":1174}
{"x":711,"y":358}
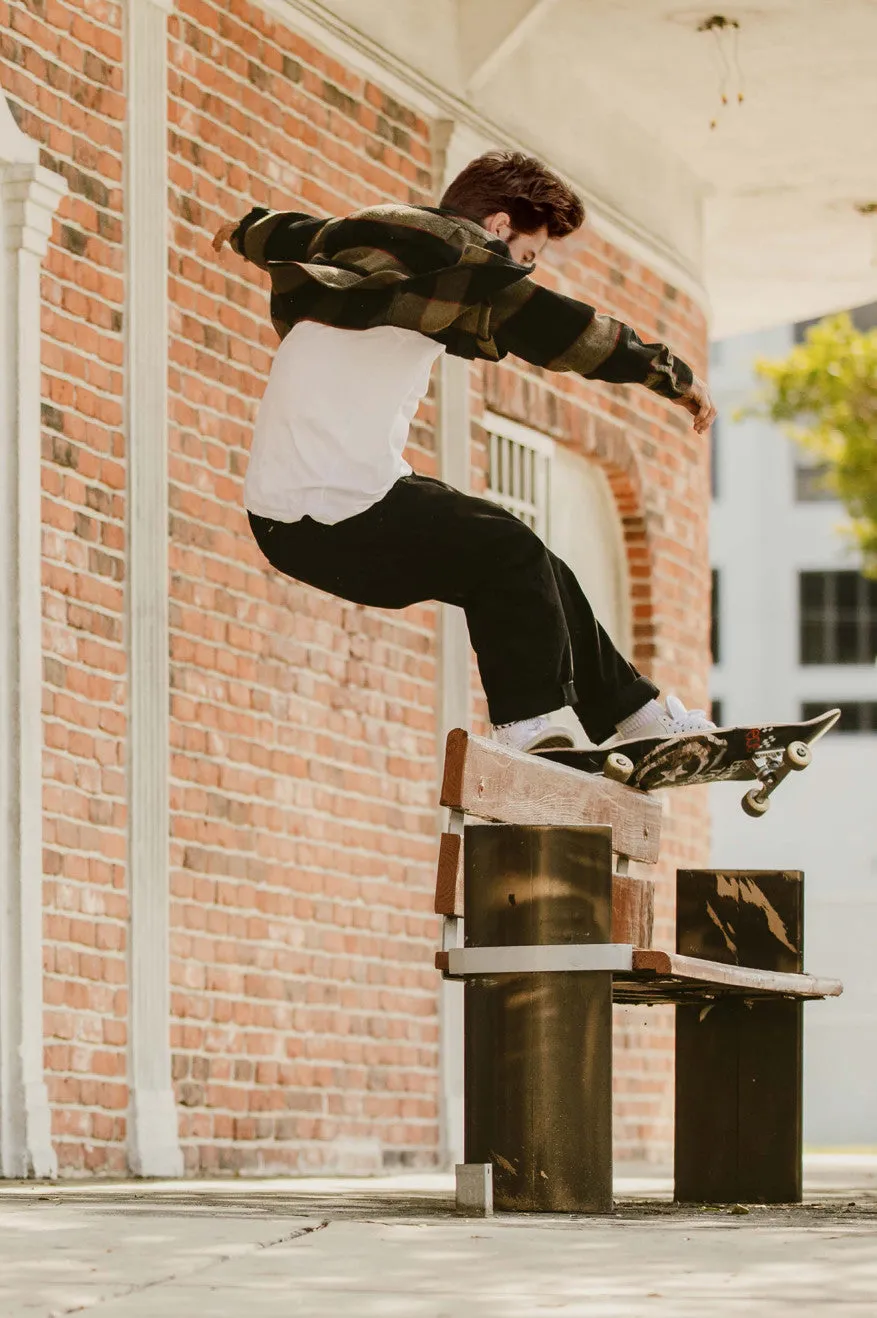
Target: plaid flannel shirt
{"x":442,"y":275}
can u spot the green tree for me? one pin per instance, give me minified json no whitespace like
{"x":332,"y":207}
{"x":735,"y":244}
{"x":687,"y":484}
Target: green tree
{"x":824,"y":394}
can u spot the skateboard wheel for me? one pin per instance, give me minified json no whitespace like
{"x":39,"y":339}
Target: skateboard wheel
{"x":618,"y":767}
{"x":798,"y":755}
{"x":755,"y":804}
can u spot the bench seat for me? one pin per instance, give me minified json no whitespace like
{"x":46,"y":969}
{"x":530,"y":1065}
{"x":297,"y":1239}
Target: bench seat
{"x":668,"y":977}
{"x":646,"y":975}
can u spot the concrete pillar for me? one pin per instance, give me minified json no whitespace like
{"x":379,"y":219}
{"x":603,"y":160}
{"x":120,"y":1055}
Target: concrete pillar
{"x":29,"y":197}
{"x":153,"y":1142}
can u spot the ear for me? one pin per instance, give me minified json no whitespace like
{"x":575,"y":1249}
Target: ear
{"x":499,"y":224}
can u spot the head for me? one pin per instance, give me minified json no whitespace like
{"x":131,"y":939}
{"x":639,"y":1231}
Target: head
{"x":518,"y":199}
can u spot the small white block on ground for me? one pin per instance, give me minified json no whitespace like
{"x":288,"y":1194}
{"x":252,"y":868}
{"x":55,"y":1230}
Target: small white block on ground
{"x":475,"y":1188}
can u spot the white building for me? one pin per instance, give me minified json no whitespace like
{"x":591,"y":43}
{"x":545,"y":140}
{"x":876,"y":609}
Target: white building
{"x":795,"y":633}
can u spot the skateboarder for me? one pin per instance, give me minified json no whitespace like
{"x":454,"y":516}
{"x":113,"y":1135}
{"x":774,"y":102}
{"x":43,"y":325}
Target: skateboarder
{"x":364,"y":305}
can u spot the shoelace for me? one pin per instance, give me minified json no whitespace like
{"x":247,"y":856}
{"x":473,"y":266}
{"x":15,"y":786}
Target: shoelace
{"x":694,"y":720}
{"x":687,"y":720}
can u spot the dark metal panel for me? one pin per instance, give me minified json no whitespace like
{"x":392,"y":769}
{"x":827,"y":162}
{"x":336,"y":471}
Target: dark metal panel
{"x":742,"y":917}
{"x":739,"y":1063}
{"x":538,"y":1049}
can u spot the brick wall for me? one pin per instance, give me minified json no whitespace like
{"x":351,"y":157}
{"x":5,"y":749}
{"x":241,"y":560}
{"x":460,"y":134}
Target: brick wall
{"x":62,"y":73}
{"x":303,"y":735}
{"x":303,"y":729}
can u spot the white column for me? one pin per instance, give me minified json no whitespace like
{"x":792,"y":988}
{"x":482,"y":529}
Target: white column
{"x":459,"y":145}
{"x":153,"y":1141}
{"x":30,"y":197}
{"x":453,"y":701}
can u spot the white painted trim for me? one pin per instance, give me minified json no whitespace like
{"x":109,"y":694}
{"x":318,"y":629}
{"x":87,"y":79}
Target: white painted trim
{"x":453,"y":442}
{"x":539,"y":959}
{"x":313,"y":20}
{"x":30,"y":197}
{"x":153,"y":1138}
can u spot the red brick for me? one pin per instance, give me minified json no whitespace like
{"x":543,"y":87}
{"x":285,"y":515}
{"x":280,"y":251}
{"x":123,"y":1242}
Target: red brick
{"x":304,"y":1006}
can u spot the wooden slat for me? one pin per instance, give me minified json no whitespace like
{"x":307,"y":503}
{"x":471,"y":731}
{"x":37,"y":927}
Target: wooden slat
{"x":633,"y":910}
{"x":449,"y":878}
{"x":683,"y":978}
{"x":489,"y":781}
{"x":667,"y":965}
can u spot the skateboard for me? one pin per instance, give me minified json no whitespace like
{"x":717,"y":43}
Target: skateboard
{"x":765,"y":754}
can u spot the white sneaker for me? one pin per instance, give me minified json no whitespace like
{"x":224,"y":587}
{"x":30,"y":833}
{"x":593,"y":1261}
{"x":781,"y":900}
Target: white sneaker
{"x":676,"y":719}
{"x":533,"y":734}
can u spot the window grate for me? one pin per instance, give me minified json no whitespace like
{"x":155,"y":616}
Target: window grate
{"x":518,"y":476}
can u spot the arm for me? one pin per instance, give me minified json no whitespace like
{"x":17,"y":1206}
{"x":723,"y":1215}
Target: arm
{"x":263,"y":236}
{"x":561,"y":334}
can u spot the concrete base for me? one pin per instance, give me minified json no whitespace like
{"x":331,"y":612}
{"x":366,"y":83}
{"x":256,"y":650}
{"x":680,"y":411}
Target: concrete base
{"x":372,"y":1248}
{"x":475,"y":1189}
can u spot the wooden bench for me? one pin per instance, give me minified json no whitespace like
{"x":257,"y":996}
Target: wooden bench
{"x":735,"y":977}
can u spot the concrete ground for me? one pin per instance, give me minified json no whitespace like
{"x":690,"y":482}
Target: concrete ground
{"x":394,"y":1247}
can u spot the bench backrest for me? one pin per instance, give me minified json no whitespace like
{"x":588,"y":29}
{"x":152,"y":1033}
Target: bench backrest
{"x":491,"y":782}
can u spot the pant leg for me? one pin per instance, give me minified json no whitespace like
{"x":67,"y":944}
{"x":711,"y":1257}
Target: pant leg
{"x":608,"y":687}
{"x":528,"y":619}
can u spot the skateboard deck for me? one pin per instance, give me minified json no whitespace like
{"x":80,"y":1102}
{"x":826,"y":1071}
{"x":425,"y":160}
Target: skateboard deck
{"x":766,"y":753}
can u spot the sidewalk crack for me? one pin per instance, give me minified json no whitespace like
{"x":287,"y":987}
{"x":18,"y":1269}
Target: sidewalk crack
{"x":213,"y":1262}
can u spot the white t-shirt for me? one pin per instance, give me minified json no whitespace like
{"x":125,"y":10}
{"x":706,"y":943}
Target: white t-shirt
{"x":334,"y":420}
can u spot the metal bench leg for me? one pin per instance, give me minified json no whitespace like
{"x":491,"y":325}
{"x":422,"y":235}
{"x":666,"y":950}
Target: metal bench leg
{"x":738,"y":1063}
{"x":538,"y":1047}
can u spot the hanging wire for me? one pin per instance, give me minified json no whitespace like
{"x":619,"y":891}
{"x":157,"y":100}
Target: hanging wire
{"x":729,"y":59}
{"x":735,"y":52}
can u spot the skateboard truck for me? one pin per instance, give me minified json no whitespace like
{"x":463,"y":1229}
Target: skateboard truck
{"x":796,"y":756}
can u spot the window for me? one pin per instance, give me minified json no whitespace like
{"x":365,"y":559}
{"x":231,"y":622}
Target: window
{"x":855,"y":715}
{"x":518,"y":475}
{"x":812,"y":482}
{"x":838,"y":618}
{"x":715,"y":607}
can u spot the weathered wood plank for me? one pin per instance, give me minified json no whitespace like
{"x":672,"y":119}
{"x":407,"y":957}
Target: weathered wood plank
{"x":665,"y":965}
{"x":633,"y":910}
{"x":669,"y":971}
{"x":449,"y":878}
{"x":492,"y":782}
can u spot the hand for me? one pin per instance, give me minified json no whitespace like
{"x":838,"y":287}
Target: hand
{"x":223,"y":235}
{"x":699,"y":403}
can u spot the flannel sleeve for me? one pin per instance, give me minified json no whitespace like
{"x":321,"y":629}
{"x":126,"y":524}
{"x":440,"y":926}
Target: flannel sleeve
{"x":561,"y":334}
{"x":263,"y":236}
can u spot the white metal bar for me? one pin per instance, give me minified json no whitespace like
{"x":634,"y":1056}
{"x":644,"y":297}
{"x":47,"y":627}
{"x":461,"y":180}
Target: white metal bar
{"x":450,"y":933}
{"x":539,"y":959}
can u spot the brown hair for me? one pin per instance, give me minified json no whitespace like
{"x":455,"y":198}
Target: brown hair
{"x":529,"y":192}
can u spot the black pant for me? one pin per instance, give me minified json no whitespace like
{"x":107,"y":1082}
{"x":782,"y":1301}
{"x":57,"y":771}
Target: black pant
{"x":538,"y":644}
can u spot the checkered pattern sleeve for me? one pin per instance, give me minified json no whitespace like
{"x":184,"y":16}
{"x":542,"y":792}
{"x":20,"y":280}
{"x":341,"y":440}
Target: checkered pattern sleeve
{"x":264,"y":236}
{"x":561,"y":334}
